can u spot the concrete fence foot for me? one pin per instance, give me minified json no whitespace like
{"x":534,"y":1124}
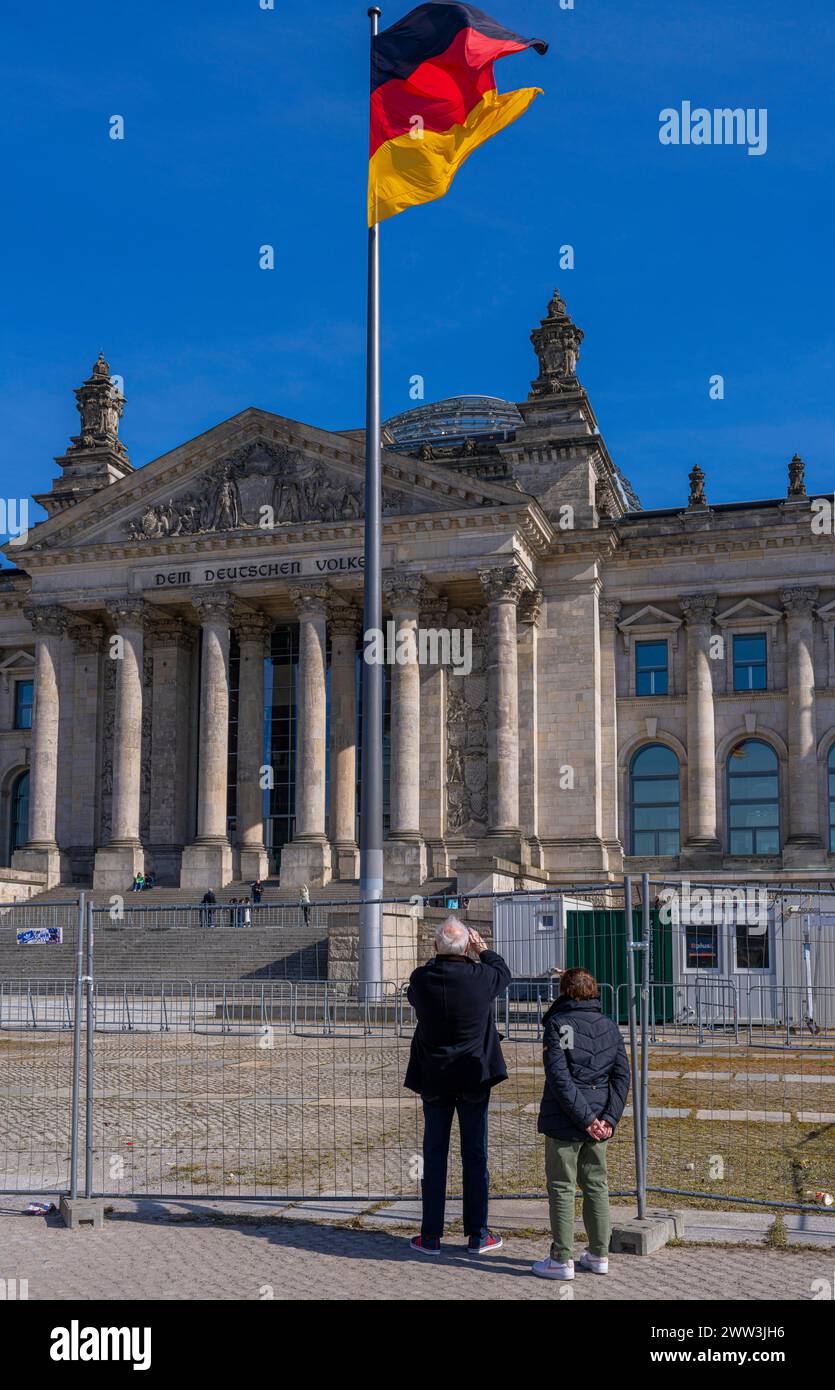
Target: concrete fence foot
{"x":634,"y":1236}
{"x":79,"y":1213}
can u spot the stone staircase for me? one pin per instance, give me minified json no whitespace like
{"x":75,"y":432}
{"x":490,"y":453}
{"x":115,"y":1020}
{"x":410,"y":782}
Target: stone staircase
{"x":168,"y":943}
{"x":223,"y":954}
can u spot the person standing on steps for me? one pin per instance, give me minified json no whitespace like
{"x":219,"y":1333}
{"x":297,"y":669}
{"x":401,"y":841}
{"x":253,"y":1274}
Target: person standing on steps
{"x":257,"y":889}
{"x":304,"y":903}
{"x":208,"y":914}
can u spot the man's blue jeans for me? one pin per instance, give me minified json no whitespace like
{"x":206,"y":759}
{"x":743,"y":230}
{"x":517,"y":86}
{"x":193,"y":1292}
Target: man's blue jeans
{"x":438,"y":1112}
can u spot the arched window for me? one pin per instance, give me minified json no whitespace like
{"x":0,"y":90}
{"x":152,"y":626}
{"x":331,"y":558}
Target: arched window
{"x":753,"y":799}
{"x":654,"y":795}
{"x":831,"y":773}
{"x":19,"y":817}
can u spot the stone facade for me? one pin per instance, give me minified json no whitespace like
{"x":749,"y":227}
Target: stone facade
{"x":133,"y":599}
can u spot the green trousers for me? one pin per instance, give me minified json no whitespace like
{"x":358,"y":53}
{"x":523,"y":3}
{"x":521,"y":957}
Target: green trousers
{"x":567,"y":1164}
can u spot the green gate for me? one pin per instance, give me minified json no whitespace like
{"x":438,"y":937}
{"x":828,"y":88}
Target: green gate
{"x":596,"y":940}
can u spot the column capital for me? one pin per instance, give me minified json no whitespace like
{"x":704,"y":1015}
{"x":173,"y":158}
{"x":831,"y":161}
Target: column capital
{"x":404,"y":590}
{"x":344,"y":620}
{"x":47,"y":619}
{"x":213,"y":607}
{"x":799,"y":600}
{"x":88,"y":637}
{"x":309,"y":600}
{"x":503,"y":583}
{"x":697,"y":609}
{"x":433,"y":608}
{"x":530,"y":607}
{"x":251,"y":625}
{"x":127,"y":611}
{"x":165,"y":631}
{"x":610,"y":608}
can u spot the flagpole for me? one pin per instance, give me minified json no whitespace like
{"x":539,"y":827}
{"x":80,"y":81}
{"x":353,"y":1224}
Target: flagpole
{"x":371,"y":786}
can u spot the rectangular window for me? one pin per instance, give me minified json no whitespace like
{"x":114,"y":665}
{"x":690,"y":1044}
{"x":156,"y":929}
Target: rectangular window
{"x":765,"y":840}
{"x":652,"y":675}
{"x":750,"y":662}
{"x":752,"y":951}
{"x":23,"y":692}
{"x":701,"y":948}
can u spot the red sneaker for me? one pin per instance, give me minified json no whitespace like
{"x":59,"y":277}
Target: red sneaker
{"x":477,"y":1246}
{"x":425,"y":1247}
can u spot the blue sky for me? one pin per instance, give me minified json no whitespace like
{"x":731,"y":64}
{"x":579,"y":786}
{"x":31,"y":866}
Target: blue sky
{"x":245,"y":127}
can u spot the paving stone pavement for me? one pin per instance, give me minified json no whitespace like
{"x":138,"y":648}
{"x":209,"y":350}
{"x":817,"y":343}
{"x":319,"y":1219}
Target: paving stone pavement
{"x":152,"y":1253}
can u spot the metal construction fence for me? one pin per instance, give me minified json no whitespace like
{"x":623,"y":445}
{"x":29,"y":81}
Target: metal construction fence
{"x":219,"y":1062}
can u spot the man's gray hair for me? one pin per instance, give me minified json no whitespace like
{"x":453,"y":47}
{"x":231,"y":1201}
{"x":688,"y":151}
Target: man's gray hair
{"x":452,"y":938}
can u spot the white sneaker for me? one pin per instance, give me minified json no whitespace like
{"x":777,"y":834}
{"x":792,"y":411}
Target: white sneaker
{"x":552,"y":1269}
{"x":596,"y":1264}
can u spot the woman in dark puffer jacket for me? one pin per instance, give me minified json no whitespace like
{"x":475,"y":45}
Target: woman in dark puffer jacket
{"x":586,"y":1085}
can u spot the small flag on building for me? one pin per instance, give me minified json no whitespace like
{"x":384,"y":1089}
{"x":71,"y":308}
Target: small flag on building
{"x":434,"y":100}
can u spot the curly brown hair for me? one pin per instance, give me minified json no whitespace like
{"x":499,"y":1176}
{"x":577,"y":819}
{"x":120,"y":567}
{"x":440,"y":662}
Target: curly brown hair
{"x":579,"y":984}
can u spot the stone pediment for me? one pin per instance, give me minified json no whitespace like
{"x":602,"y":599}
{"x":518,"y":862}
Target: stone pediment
{"x":262,"y":485}
{"x":749,"y":612}
{"x":19,"y":660}
{"x":649,"y":621}
{"x":244,"y":476}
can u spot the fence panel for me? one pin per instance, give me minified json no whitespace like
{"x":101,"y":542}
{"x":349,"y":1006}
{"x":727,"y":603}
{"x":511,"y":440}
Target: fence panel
{"x":294,"y":1088}
{"x":37,"y":1014}
{"x":742,"y":1077}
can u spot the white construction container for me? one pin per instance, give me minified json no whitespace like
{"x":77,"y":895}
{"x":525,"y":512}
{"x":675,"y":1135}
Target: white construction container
{"x":529,"y":931}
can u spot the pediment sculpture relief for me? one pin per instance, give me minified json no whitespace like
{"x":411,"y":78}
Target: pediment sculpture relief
{"x":263,"y":485}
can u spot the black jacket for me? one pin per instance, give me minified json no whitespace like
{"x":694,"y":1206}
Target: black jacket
{"x":455,"y":1045}
{"x":586,"y":1071}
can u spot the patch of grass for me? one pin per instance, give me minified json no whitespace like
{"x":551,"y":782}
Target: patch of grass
{"x":777,"y":1237}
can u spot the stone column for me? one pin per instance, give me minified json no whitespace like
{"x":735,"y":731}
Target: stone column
{"x":433,"y":740}
{"x":207,"y":862}
{"x":530,"y":610}
{"x":804,"y":844}
{"x":117,"y":862}
{"x":343,"y":625}
{"x":702,"y":847}
{"x":609,"y":613}
{"x":503,"y":587}
{"x":64,"y":828}
{"x":307,"y":858}
{"x":253,"y":629}
{"x":41,"y":854}
{"x":172,"y":647}
{"x":405,"y":851}
{"x":88,"y":640}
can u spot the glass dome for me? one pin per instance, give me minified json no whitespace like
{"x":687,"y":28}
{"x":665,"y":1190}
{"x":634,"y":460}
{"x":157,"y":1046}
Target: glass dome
{"x":485,"y":419}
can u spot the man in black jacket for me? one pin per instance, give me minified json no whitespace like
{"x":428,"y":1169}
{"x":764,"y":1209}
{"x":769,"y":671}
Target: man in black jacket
{"x":454,"y":1062}
{"x":586,"y":1085}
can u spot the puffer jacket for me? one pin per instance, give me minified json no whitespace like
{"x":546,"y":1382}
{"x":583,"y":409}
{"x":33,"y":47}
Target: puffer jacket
{"x":586,"y":1070}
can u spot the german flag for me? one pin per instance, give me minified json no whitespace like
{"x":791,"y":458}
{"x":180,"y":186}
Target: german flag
{"x":434,"y":101}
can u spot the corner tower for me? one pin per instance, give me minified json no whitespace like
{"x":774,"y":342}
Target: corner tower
{"x":558,"y":454}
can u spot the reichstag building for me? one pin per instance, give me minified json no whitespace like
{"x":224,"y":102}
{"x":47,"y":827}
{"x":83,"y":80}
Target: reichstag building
{"x":181,"y":657}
